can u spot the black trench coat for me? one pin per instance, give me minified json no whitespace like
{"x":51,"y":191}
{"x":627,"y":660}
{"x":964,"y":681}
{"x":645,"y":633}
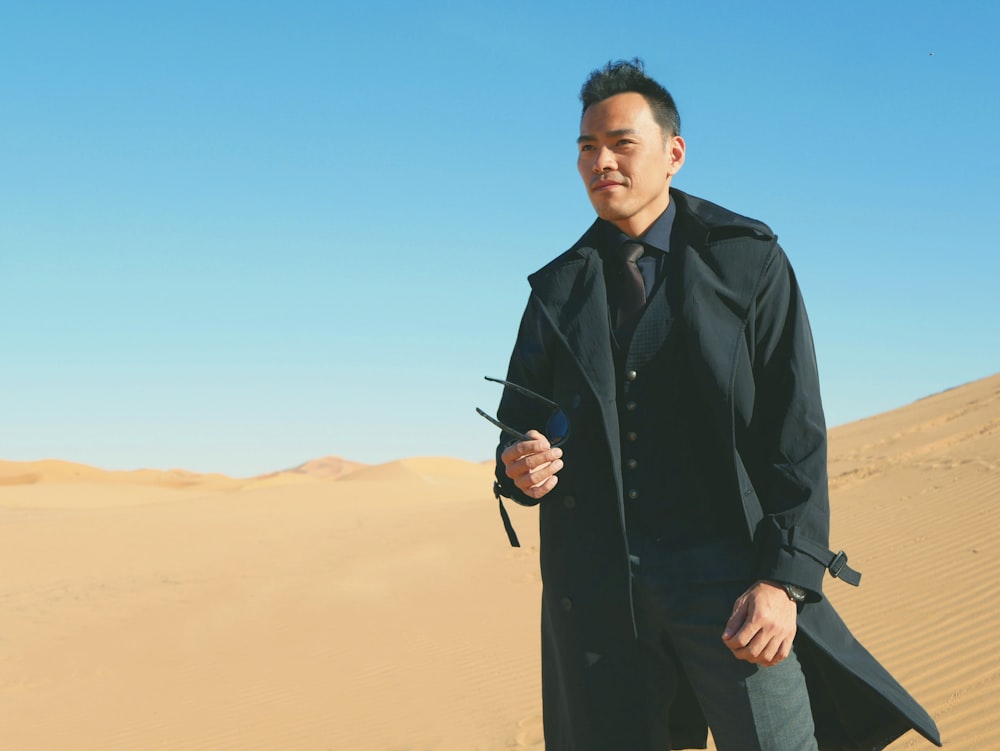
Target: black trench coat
{"x":746,"y":335}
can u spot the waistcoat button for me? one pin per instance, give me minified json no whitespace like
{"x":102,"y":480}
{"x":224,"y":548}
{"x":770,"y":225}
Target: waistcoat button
{"x":631,"y":436}
{"x":631,"y":375}
{"x":630,"y":406}
{"x":632,"y":464}
{"x":566,"y":604}
{"x":633,"y":494}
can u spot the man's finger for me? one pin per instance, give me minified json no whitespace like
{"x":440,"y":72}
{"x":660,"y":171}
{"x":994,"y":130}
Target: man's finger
{"x":736,"y":620}
{"x":536,"y":444}
{"x":529,"y":456}
{"x":537,"y":491}
{"x":536,"y":477}
{"x":538,"y":466}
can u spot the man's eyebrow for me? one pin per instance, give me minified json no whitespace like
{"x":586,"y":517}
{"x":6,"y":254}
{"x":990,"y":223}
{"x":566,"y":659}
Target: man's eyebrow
{"x":587,"y":137}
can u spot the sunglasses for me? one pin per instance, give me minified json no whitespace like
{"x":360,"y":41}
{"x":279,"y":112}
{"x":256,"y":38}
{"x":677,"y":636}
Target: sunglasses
{"x":556,"y":425}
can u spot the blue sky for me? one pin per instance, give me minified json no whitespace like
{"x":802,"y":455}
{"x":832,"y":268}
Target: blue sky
{"x":238,"y":236}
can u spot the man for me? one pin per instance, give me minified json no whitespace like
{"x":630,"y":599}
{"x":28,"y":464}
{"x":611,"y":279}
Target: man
{"x":684,"y":523}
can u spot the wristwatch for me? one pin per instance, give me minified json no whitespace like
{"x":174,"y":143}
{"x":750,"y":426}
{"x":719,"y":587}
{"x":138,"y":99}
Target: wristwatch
{"x":795,"y":593}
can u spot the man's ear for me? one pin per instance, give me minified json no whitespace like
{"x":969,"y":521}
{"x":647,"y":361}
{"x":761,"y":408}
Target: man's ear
{"x":676,"y":149}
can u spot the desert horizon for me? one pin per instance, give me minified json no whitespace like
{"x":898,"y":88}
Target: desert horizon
{"x":379,"y":607}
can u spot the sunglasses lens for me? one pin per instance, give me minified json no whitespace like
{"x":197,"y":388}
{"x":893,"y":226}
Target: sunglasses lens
{"x":557,"y":426}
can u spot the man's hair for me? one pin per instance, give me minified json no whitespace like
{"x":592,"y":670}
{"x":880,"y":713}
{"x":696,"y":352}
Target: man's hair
{"x":621,"y":76}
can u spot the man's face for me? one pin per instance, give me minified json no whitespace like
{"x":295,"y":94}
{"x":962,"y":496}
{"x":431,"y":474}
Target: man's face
{"x":627,"y":162}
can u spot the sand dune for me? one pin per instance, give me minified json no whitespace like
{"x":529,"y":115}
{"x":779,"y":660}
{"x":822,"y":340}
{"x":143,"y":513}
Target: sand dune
{"x":325,"y":468}
{"x":434,"y":470}
{"x":381,"y":609}
{"x":49,"y":471}
{"x":916,"y":496}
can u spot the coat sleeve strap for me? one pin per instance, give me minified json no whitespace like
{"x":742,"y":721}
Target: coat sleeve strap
{"x":507,"y":525}
{"x":835,"y":563}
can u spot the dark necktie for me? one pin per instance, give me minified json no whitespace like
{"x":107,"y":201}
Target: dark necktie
{"x":633,"y":293}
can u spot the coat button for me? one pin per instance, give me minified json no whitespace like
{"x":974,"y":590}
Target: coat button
{"x":631,"y":436}
{"x":575,"y":400}
{"x":566,"y":604}
{"x":633,"y":494}
{"x":630,"y":406}
{"x":631,"y":375}
{"x":631,"y":464}
{"x":569,"y":502}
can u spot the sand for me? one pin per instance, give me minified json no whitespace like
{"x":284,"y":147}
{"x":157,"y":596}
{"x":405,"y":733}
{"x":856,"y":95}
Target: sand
{"x":338,"y":606}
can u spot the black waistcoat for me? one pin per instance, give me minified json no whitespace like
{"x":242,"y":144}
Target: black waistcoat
{"x":672,"y":495}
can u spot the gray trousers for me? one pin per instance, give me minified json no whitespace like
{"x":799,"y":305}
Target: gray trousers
{"x":748,"y":708}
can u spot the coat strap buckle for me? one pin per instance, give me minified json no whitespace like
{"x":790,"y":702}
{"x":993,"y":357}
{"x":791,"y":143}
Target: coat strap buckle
{"x":835,"y":563}
{"x":839,"y":569}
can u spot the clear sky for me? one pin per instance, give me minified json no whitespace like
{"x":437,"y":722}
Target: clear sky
{"x":235,"y":236}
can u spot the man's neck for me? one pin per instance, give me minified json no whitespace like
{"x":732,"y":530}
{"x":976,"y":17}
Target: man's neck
{"x":656,"y":235}
{"x":638,"y":224}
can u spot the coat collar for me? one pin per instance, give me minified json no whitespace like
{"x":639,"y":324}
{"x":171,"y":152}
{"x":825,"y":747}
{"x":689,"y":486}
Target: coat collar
{"x":703,"y":222}
{"x":707,"y":222}
{"x":571,"y":287}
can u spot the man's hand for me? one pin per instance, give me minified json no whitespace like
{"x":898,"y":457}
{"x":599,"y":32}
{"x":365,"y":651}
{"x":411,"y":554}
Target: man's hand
{"x":532,"y":465}
{"x":762,"y":626}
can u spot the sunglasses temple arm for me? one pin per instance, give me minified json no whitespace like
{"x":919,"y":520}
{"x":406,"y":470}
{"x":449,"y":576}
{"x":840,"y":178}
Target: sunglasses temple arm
{"x":505,"y":428}
{"x":522,"y":390}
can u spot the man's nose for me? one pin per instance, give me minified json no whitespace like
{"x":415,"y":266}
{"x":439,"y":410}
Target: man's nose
{"x":605,"y":160}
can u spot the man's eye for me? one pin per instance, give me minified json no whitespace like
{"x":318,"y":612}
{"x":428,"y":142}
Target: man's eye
{"x":586,"y":147}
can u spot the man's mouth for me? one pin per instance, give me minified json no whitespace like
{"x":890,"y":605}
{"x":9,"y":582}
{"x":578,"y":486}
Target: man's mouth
{"x":603,"y":184}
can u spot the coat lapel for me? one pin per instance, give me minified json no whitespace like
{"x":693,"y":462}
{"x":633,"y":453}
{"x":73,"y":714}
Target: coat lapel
{"x":572,"y":294}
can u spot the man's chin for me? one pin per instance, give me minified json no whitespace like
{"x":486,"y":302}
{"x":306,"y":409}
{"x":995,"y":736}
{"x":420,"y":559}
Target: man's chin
{"x":608,"y":213}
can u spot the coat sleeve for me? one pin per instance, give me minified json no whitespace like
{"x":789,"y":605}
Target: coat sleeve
{"x":530,"y":366}
{"x":786,"y":438}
